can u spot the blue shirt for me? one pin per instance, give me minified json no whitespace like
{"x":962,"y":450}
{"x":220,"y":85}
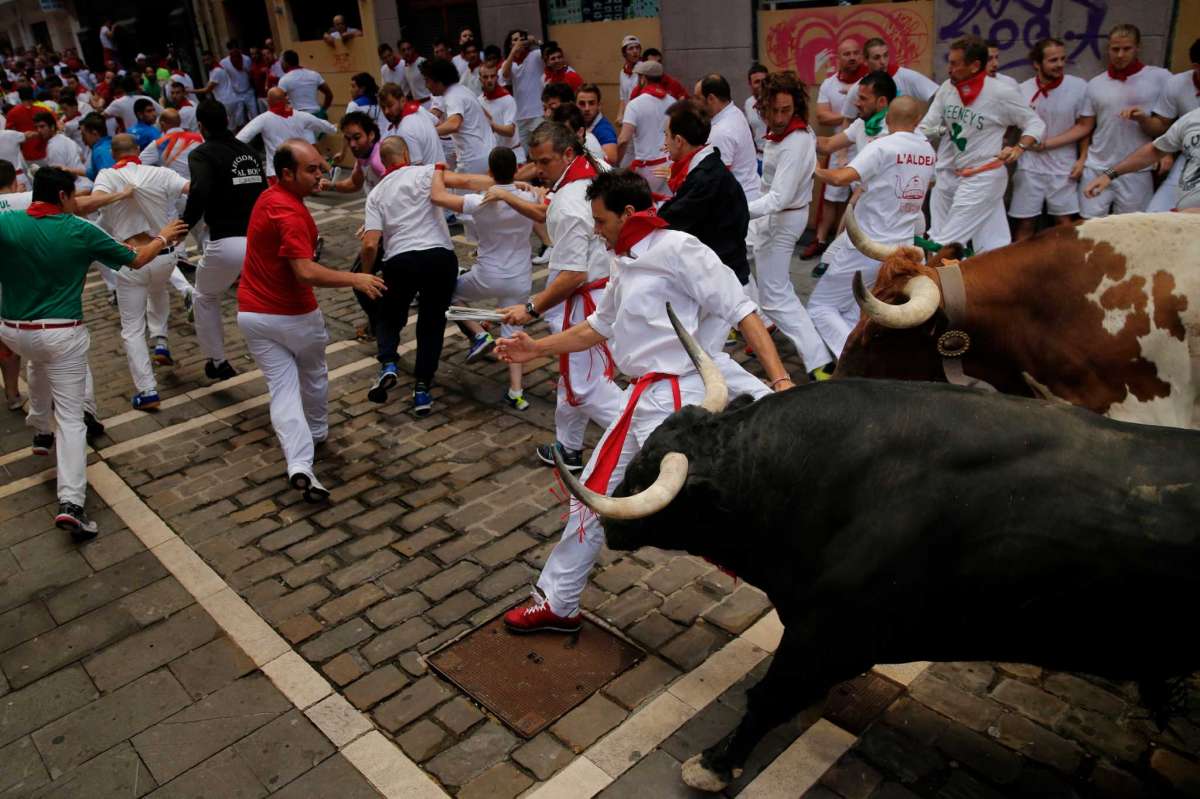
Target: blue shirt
{"x":102,"y":157}
{"x":604,"y":131}
{"x":145,"y":134}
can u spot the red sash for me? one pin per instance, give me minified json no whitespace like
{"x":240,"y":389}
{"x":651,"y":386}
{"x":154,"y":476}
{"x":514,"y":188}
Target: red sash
{"x":610,"y":450}
{"x":584,"y":292}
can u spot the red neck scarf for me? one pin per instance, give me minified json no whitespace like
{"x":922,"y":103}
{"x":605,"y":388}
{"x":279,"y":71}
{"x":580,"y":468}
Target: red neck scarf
{"x":654,"y":89}
{"x":393,"y":63}
{"x":496,"y":93}
{"x":411,"y":107}
{"x":679,"y":170}
{"x":39,"y":209}
{"x":638,"y":227}
{"x":627,"y":68}
{"x":796,"y":124}
{"x":579,"y":169}
{"x":855,"y":76}
{"x":186,"y":102}
{"x":1121,"y":74}
{"x":282,"y":109}
{"x":969,"y":89}
{"x":393,"y":168}
{"x":126,"y":160}
{"x":1044,"y":89}
{"x":892,"y":69}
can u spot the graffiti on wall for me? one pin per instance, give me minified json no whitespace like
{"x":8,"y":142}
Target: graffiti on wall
{"x":1017,"y":25}
{"x":806,"y":41}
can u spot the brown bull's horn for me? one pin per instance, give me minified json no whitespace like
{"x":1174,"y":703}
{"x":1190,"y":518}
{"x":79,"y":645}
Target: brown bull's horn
{"x":924,"y":297}
{"x":672,"y":473}
{"x":716,"y":394}
{"x":864,"y":244}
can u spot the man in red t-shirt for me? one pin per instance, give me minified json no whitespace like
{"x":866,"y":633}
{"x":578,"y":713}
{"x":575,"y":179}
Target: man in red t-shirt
{"x":20,"y":118}
{"x":278,"y":313}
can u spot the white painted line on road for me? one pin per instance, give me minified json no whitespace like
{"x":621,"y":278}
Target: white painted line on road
{"x":802,"y":763}
{"x":17,"y":486}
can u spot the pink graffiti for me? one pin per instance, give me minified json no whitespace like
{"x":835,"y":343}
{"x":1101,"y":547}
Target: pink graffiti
{"x":798,"y":42}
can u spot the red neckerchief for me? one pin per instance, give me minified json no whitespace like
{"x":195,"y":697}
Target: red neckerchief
{"x":411,"y":107}
{"x":654,"y":90}
{"x":126,"y":160}
{"x":1044,"y":89}
{"x":679,"y":170}
{"x":1121,"y":74}
{"x":796,"y":124}
{"x":392,"y":169}
{"x":550,"y":76}
{"x":186,"y":103}
{"x":579,"y":169}
{"x":496,"y":93}
{"x":282,"y":109}
{"x":969,"y":89}
{"x":892,"y":69}
{"x":638,"y":227}
{"x":38,"y":209}
{"x":855,"y":77}
{"x":627,"y":68}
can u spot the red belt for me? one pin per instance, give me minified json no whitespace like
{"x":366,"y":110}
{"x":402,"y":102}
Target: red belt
{"x":564,"y":360}
{"x":639,"y":164}
{"x":39,"y":325}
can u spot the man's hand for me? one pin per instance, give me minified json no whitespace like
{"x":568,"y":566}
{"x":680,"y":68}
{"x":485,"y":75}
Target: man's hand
{"x":1009,"y":155}
{"x":1076,"y":171}
{"x":521,"y":348}
{"x":1097,"y":186}
{"x":325,"y":185}
{"x":1165,"y":163}
{"x":1133,"y":114}
{"x":174,"y":231}
{"x":515,"y":315}
{"x":125,"y":193}
{"x":495,"y":194}
{"x":371,"y":285}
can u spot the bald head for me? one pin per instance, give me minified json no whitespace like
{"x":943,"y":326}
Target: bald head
{"x":124,"y":144}
{"x":903,"y":114}
{"x":393,"y":151}
{"x":298,"y":167}
{"x":169,"y":119}
{"x":276,"y":96}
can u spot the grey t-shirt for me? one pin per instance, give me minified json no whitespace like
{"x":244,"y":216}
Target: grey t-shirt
{"x":1183,"y":137}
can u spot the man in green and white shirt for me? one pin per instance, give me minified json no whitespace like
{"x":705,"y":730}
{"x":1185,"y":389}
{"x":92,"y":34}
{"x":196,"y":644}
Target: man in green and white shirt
{"x":48,"y":253}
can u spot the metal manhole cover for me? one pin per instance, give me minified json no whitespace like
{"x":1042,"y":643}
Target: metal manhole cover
{"x":530,"y":681}
{"x":854,"y":704}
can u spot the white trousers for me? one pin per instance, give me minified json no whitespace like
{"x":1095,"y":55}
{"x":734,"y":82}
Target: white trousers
{"x":222,"y":266}
{"x":109,"y":276}
{"x":290,"y":351}
{"x":775,"y":238}
{"x":565,"y":574}
{"x":1127,"y":194}
{"x":1167,"y":196}
{"x":144,"y":302}
{"x":832,"y":305}
{"x":478,"y":285}
{"x":598,"y":397}
{"x":242,"y":108}
{"x":974,"y":213}
{"x":58,"y":377}
{"x":180,"y":283}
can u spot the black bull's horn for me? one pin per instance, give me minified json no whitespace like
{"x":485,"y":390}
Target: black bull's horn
{"x":673,"y":470}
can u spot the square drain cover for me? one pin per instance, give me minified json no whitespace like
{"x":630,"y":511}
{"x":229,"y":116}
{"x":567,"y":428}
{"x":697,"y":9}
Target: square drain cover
{"x":854,"y":704}
{"x":530,"y":681}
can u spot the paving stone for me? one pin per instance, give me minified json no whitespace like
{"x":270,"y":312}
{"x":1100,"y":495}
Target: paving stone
{"x":617,"y":578}
{"x":1181,"y":773}
{"x":103,"y":587}
{"x":413,"y":663}
{"x":655,"y":776}
{"x":407,"y":576}
{"x":364,"y":569}
{"x":949,"y":700}
{"x":378,"y":517}
{"x":285,"y":537}
{"x":423,"y":740}
{"x":334,"y":777}
{"x":719,"y":582}
{"x":347,"y":605}
{"x":93,"y":728}
{"x":337,"y":639}
{"x":226,"y":775}
{"x":972,"y":677}
{"x":501,"y":781}
{"x":500,"y":582}
{"x":1029,"y":700}
{"x":319,"y":543}
{"x":639,"y":683}
{"x":895,"y":753}
{"x":470,"y":757}
{"x":1037,"y":743}
{"x":174,"y":745}
{"x":33,"y":583}
{"x":1022,"y":670}
{"x":701,"y":731}
{"x":447,"y":582}
{"x":543,"y":756}
{"x":156,"y":601}
{"x":118,"y":773}
{"x":397,"y":609}
{"x":739,"y":610}
{"x":284,"y":749}
{"x":459,"y":546}
{"x":419,"y":518}
{"x":299,"y":628}
{"x":1081,"y":693}
{"x":458,"y":715}
{"x":449,"y":634}
{"x":375,"y":687}
{"x":396,"y":640}
{"x":420,"y":541}
{"x":654,"y":630}
{"x":686,"y":605}
{"x":39,"y":703}
{"x":851,"y":778}
{"x":690,"y":649}
{"x":584,"y":725}
{"x":1112,"y":782}
{"x":676,"y":574}
{"x":155,"y":646}
{"x":338,"y":513}
{"x":22,"y":623}
{"x":962,"y":784}
{"x":454,"y":608}
{"x":343,"y":669}
{"x":999,"y":765}
{"x":309,"y":570}
{"x":295,"y":602}
{"x":505,"y":549}
{"x":1100,"y":733}
{"x":75,"y":639}
{"x":111,"y":548}
{"x":22,"y":771}
{"x":211,"y":667}
{"x":411,"y":703}
{"x":630,"y":606}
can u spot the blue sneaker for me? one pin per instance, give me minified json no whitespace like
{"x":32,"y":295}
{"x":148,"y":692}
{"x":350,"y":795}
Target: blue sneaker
{"x":145,"y":400}
{"x":388,"y":375}
{"x":480,"y":347}
{"x":572,"y":458}
{"x":162,"y":356}
{"x":422,"y":400}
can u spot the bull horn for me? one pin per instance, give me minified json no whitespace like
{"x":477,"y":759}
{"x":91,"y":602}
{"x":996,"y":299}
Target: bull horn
{"x":863,"y":243}
{"x":924,"y":297}
{"x":672,"y":473}
{"x":716,"y":394}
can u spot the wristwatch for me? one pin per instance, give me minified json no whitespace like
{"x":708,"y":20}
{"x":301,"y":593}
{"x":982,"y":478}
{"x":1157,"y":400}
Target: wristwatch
{"x":1110,"y":173}
{"x":529,"y":309}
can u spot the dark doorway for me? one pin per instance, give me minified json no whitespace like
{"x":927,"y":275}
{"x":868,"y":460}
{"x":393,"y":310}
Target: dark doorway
{"x":41,"y":34}
{"x":248,"y":22}
{"x":425,"y":21}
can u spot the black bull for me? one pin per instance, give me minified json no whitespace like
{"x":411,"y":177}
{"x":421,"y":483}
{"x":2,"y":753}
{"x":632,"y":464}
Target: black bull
{"x":891,"y":521}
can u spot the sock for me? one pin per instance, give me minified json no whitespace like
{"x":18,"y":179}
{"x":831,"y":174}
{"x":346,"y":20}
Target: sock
{"x":515,"y":393}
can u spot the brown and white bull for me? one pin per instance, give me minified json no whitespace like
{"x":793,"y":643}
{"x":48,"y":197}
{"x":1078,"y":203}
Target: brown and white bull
{"x":1104,"y":315}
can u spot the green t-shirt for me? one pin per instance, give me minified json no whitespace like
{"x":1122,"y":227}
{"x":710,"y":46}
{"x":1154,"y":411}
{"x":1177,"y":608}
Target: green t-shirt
{"x":45,"y":262}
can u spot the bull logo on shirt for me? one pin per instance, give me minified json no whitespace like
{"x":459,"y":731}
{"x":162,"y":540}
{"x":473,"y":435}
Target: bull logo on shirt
{"x":913,"y":190}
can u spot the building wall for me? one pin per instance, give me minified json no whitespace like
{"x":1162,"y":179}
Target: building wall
{"x":702,"y":36}
{"x":498,"y":17}
{"x":18,"y":18}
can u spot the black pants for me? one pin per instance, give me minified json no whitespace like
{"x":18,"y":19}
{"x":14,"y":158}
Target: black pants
{"x":431,"y":273}
{"x":369,"y":306}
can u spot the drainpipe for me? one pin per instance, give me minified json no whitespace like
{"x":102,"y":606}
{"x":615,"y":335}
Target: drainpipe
{"x":754,"y":30}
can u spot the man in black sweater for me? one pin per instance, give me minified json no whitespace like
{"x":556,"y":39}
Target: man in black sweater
{"x":227,"y":177}
{"x":709,"y":202}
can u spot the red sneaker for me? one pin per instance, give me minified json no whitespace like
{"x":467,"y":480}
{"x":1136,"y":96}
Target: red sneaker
{"x":537,"y":617}
{"x":813,"y":249}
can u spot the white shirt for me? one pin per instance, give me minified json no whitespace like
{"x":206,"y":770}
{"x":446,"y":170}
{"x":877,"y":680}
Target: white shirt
{"x":17,"y":201}
{"x":857,"y":134}
{"x":373,"y":111}
{"x":626,"y":83}
{"x":833,"y":93}
{"x":895,"y":171}
{"x":731,"y":135}
{"x":596,"y":151}
{"x":648,"y":115}
{"x":172,"y":154}
{"x":301,"y":86}
{"x":187,"y":118}
{"x":222,"y":86}
{"x":239,"y":79}
{"x":758,"y":125}
{"x":156,"y":190}
{"x":504,"y":112}
{"x":1178,"y":97}
{"x":909,"y":83}
{"x":1184,"y":136}
{"x":62,"y":152}
{"x":473,"y":140}
{"x":504,"y":250}
{"x":667,"y":266}
{"x":1115,"y":138}
{"x":394,"y":74}
{"x":10,"y":147}
{"x":417,"y":130}
{"x":1059,"y":110}
{"x":106,"y":38}
{"x":276,"y":129}
{"x":122,"y":109}
{"x":470,"y":80}
{"x":414,"y":81}
{"x":460,"y":64}
{"x":569,"y":222}
{"x":1000,"y":76}
{"x":400,"y":208}
{"x":787,"y":174}
{"x":978,"y":130}
{"x":527,"y":80}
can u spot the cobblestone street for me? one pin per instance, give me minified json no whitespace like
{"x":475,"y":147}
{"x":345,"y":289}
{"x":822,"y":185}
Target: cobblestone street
{"x":222,"y":638}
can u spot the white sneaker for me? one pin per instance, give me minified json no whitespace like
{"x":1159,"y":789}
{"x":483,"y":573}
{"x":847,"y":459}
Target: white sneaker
{"x":544,"y":258}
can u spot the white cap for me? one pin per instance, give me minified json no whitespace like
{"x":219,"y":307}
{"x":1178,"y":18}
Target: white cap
{"x":630,"y":39}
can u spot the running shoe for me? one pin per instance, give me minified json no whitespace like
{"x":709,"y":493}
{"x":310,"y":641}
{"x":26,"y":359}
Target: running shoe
{"x":543,"y":257}
{"x":819,"y":269}
{"x":536,"y":616}
{"x":308,"y":483}
{"x":481,"y":347}
{"x":43,"y":443}
{"x":422,"y":400}
{"x":162,"y":356}
{"x":813,"y":249}
{"x":94,"y":428}
{"x":572,"y":458}
{"x":219,"y":371}
{"x":74,"y":519}
{"x":517,"y":401}
{"x":388,"y":375}
{"x":145,"y":400}
{"x":16,"y":403}
{"x":822,"y":373}
{"x":731,"y":340}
